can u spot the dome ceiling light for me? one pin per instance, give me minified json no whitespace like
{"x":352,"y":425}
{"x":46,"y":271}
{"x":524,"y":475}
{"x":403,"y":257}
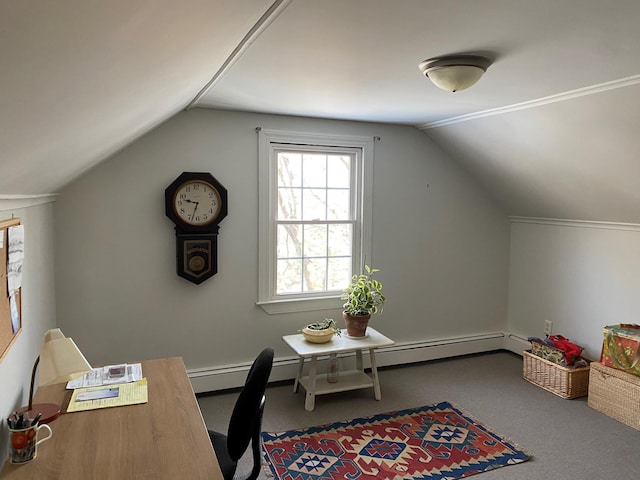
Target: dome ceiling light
{"x":454,"y":72}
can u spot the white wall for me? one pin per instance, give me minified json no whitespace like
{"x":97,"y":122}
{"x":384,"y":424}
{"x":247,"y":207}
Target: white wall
{"x":38,"y":307}
{"x":580,"y":275}
{"x":441,"y":244}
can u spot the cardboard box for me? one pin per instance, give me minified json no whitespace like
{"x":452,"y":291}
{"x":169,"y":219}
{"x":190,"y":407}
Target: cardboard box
{"x":621,"y":348}
{"x":615,"y":393}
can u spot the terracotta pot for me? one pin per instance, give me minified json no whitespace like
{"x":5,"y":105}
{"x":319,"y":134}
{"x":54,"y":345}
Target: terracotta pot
{"x":356,"y":325}
{"x":317,"y":336}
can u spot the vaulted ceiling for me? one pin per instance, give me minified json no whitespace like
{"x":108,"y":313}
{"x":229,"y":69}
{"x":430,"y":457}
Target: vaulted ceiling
{"x":550,"y":130}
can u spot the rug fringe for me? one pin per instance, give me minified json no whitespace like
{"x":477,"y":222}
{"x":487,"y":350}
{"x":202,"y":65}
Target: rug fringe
{"x":266,"y":469}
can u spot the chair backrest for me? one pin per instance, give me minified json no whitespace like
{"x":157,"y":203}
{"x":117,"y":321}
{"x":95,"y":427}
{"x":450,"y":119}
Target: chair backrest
{"x":247,"y":411}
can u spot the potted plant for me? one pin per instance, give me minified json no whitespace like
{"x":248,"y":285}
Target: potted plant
{"x":363,"y":297}
{"x":321,"y":332}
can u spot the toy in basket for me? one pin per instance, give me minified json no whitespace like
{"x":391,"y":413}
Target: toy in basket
{"x":548,"y":352}
{"x":556,"y":349}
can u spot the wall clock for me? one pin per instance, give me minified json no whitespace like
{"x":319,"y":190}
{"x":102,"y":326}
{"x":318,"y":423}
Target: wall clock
{"x":196,"y":203}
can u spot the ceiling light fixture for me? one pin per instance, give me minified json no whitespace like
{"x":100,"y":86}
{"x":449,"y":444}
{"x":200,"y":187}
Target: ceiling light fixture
{"x":455,"y":72}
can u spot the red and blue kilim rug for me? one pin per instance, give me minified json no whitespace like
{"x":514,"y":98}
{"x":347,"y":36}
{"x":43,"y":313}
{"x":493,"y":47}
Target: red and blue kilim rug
{"x":432,"y":442}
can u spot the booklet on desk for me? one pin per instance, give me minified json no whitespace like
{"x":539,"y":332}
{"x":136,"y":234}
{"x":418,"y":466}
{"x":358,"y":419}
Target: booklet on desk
{"x":109,"y":375}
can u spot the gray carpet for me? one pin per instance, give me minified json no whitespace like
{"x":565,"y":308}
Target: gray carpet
{"x":566,"y":439}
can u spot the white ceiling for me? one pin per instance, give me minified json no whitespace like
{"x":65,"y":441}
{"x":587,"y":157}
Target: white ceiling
{"x":550,"y":129}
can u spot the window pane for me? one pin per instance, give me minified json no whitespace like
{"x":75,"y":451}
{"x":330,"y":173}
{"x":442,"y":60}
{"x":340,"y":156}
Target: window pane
{"x":289,"y":276}
{"x":315,"y":240}
{"x":314,"y":204}
{"x":340,"y":241}
{"x":289,"y":169}
{"x":339,"y":171}
{"x":289,"y":204}
{"x":315,"y":271}
{"x":314,"y":170}
{"x":338,"y":273}
{"x":338,"y":202}
{"x":289,"y":241}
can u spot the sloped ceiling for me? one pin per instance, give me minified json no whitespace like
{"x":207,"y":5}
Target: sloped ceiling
{"x":550,"y":129}
{"x":83,"y":78}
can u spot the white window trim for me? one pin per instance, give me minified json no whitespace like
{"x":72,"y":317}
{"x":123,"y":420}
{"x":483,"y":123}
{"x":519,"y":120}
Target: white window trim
{"x":266,"y":248}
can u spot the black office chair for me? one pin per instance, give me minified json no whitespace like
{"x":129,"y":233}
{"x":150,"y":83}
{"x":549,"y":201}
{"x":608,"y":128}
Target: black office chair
{"x":246,"y":421}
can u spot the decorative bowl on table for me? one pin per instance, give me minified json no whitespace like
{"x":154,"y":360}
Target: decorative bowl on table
{"x":320,"y":332}
{"x":317,"y":336}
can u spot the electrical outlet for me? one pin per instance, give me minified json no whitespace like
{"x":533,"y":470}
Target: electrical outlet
{"x":548,"y":326}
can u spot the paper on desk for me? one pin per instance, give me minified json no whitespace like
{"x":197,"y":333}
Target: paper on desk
{"x":100,"y":376}
{"x":128,"y":394}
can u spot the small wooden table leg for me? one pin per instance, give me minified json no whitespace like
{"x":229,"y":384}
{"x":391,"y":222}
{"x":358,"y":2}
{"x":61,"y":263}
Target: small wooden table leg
{"x":310,"y":399}
{"x":359,"y":364}
{"x":374,"y":372}
{"x":296,"y":383}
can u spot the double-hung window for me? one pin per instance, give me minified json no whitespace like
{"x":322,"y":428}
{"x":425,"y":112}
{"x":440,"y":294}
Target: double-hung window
{"x":314,"y":213}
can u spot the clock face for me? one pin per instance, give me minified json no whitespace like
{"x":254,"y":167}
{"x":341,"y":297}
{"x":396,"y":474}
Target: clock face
{"x":197,"y":202}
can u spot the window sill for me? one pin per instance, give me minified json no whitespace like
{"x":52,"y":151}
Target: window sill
{"x":300,"y":305}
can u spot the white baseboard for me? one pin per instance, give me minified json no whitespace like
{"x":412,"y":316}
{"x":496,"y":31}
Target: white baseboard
{"x":284,"y":368}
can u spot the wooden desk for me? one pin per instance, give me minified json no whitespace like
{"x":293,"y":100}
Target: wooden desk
{"x":348,"y":380}
{"x":165,"y":438}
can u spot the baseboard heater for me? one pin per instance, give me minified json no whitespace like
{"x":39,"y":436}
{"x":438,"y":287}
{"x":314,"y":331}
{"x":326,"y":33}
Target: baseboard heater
{"x":284,"y":368}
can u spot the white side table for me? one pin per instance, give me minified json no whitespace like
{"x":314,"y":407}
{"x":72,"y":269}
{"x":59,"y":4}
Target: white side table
{"x":315,"y":384}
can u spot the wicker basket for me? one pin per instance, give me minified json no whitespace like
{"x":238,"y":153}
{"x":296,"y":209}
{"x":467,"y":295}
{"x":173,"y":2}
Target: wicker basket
{"x":564,"y":382}
{"x":615,"y":393}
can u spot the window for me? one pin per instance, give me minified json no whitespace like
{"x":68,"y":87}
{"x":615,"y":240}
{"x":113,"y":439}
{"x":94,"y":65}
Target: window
{"x":314,"y":218}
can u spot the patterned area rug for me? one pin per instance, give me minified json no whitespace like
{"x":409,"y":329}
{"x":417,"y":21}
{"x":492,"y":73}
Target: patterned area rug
{"x":431,"y":442}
